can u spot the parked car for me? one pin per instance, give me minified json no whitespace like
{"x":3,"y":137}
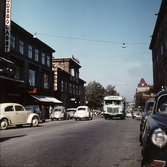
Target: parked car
{"x":137,"y":113}
{"x":71,"y":112}
{"x":146,"y":113}
{"x":83,"y":112}
{"x":16,"y":114}
{"x":35,"y":109}
{"x":128,"y":113}
{"x":154,"y":138}
{"x":59,"y":112}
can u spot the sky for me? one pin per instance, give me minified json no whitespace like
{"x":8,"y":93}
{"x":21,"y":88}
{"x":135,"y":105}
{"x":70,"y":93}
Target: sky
{"x":94,"y":31}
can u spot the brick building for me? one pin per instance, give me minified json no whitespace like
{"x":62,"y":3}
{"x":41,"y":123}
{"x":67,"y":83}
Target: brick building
{"x":68,"y":86}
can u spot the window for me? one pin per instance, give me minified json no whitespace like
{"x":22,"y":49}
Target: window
{"x":157,"y":59}
{"x":36,"y":55}
{"x":48,"y":61}
{"x":43,"y":58}
{"x":21,"y":47}
{"x":46,"y":81}
{"x":76,"y":90}
{"x":9,"y":108}
{"x":32,"y":77}
{"x":19,"y":108}
{"x":70,"y":88}
{"x":73,"y":89}
{"x":12,"y":42}
{"x":72,"y":71}
{"x":66,"y":88}
{"x":30,"y":51}
{"x":62,"y":85}
{"x":17,"y":73}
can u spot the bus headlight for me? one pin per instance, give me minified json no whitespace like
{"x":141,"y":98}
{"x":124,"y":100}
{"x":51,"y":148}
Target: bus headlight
{"x":159,"y":138}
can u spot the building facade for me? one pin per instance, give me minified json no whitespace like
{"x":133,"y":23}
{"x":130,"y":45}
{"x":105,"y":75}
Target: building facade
{"x":158,"y":46}
{"x":143,"y":86}
{"x":25,"y":64}
{"x":68,"y":87}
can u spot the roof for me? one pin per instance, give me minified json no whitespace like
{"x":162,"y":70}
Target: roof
{"x":16,"y":29}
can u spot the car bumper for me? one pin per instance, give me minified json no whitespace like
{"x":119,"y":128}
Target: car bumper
{"x":114,"y":115}
{"x":157,"y":163}
{"x":155,"y":157}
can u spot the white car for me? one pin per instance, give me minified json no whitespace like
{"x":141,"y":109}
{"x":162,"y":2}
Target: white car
{"x":83,"y":112}
{"x":71,"y":112}
{"x":59,"y":112}
{"x":16,"y":114}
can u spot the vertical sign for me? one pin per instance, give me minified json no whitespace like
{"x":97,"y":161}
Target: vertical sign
{"x":7,"y":25}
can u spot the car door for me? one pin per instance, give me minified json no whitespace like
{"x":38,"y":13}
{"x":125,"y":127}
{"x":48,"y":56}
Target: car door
{"x":21,"y":114}
{"x":10,"y":113}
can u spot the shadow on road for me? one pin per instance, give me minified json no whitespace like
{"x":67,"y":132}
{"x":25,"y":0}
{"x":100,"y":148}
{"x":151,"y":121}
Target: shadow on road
{"x":2,"y":139}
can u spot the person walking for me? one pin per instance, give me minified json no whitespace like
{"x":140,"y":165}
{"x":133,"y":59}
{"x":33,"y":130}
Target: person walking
{"x":43,"y":112}
{"x":132,"y":113}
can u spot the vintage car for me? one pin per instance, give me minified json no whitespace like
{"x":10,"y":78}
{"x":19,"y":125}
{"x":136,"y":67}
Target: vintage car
{"x":16,"y":114}
{"x":35,"y":109}
{"x":71,"y":112}
{"x":83,"y":112}
{"x":146,"y":113}
{"x":59,"y":113}
{"x":154,"y":138}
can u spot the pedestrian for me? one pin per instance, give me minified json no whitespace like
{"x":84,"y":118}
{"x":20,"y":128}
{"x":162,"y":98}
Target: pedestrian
{"x":43,"y":112}
{"x":50,"y":110}
{"x":132,"y":113}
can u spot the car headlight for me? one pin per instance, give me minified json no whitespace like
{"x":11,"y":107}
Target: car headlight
{"x":159,"y":138}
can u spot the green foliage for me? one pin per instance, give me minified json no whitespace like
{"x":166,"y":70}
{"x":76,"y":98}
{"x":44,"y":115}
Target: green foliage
{"x":95,"y":92}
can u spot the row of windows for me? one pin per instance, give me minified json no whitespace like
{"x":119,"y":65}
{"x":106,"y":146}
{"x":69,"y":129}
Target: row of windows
{"x":31,"y":53}
{"x":70,"y":88}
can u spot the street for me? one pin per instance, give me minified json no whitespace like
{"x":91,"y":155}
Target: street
{"x":97,"y":142}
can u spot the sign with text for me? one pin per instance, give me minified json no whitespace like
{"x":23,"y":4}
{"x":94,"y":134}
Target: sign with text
{"x":7,"y":25}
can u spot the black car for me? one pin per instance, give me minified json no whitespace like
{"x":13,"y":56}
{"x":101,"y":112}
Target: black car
{"x":154,"y":138}
{"x":146,"y":112}
{"x":35,"y":109}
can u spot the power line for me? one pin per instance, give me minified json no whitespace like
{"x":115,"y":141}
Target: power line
{"x":90,"y":40}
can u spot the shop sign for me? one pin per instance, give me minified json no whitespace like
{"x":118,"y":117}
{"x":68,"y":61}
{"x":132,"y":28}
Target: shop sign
{"x":7,"y":25}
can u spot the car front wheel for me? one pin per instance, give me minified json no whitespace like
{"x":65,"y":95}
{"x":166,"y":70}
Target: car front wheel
{"x":4,"y":124}
{"x":35,"y":121}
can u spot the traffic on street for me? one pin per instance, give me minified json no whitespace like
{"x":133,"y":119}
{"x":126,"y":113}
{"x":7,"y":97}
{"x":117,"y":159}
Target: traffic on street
{"x":96,"y":142}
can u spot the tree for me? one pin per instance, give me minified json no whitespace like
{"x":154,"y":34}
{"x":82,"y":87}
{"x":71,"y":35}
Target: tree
{"x":94,"y":92}
{"x":110,"y":90}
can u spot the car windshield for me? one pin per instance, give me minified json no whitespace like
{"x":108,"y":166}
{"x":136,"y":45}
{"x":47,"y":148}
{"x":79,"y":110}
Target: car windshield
{"x":70,"y":110}
{"x":57,"y":109}
{"x":81,"y":109}
{"x":149,"y":106}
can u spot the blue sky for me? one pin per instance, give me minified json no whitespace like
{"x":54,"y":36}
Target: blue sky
{"x":93,"y":31}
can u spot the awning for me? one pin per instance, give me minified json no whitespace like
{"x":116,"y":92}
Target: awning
{"x":43,"y":98}
{"x":6,"y":60}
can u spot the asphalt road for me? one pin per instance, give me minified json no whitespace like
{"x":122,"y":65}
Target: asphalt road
{"x":98,"y":142}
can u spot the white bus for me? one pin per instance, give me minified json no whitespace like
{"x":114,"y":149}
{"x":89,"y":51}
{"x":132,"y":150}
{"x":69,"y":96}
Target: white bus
{"x":114,"y":106}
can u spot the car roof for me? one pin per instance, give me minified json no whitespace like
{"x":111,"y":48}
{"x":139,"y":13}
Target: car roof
{"x":3,"y":105}
{"x":82,"y":107}
{"x":31,"y":106}
{"x":71,"y":108}
{"x":59,"y":107}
